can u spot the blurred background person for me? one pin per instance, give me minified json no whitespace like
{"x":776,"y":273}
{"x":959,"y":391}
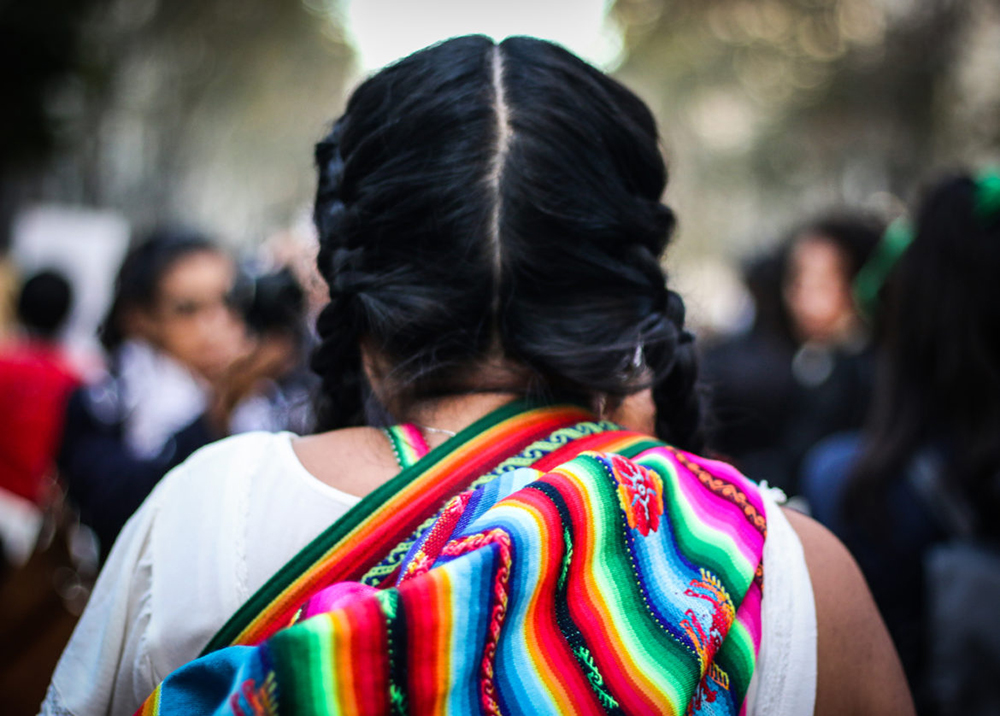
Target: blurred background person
{"x":44,"y":573}
{"x":295,"y":248}
{"x":36,"y":379}
{"x":749,"y":376}
{"x":181,"y":359}
{"x":804,"y":369}
{"x":916,"y":494}
{"x":274,"y":307}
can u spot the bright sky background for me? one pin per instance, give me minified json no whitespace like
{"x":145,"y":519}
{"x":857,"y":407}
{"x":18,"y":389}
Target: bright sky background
{"x":385,"y":30}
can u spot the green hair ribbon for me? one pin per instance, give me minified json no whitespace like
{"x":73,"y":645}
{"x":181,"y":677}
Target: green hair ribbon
{"x":868,"y":281}
{"x":898,"y":237}
{"x":987,"y":201}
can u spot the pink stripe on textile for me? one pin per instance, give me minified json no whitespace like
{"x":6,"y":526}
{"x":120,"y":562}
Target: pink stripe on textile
{"x":749,"y":615}
{"x":415,"y":440}
{"x":728,"y":472}
{"x":334,"y":597}
{"x":721,"y":515}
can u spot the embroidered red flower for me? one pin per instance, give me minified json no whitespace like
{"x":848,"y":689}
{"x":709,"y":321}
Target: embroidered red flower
{"x":640,"y":493}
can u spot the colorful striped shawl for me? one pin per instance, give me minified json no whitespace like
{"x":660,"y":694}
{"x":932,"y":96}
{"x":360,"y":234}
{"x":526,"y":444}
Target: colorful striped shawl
{"x":559,"y":576}
{"x":408,"y":444}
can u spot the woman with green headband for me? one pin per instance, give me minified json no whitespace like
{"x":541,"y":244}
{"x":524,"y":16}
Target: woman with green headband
{"x":925,"y":471}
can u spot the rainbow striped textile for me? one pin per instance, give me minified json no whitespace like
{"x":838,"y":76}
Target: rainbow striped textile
{"x":573,"y":567}
{"x":408,"y":443}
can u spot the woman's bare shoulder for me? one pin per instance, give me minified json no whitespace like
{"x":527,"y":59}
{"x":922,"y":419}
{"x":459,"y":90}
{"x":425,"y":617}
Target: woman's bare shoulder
{"x":858,"y":668}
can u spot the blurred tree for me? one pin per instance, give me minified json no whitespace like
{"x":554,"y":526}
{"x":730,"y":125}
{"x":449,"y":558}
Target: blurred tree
{"x":195,"y":111}
{"x":40,"y":40}
{"x":39,"y":47}
{"x":772,"y":108}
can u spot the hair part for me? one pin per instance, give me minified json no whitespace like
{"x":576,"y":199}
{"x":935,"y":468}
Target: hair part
{"x":503,"y":134}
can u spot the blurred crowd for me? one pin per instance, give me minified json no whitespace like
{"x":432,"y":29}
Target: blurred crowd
{"x":196,"y":344}
{"x":867,"y":388}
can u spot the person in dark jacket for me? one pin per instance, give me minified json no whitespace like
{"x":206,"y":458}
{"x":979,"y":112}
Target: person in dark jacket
{"x":180,"y":357}
{"x":924,"y":473}
{"x":804,"y":370}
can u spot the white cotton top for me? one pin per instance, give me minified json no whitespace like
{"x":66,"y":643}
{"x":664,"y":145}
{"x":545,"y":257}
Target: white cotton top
{"x":161,"y":395}
{"x":199,"y":547}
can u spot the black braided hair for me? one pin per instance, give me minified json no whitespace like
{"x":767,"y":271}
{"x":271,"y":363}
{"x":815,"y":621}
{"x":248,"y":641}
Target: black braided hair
{"x":679,"y":399}
{"x":337,"y":359}
{"x":480,"y":201}
{"x":939,"y":362}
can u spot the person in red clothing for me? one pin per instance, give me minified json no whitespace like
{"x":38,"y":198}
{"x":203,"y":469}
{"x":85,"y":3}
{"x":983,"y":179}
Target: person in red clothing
{"x":35,"y":382}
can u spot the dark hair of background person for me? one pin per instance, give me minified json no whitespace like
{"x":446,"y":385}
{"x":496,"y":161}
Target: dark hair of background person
{"x":43,"y":304}
{"x":272,"y":303}
{"x":939,"y":372}
{"x":764,"y":276}
{"x":138,"y":281}
{"x":480,"y":202}
{"x":855,"y":234}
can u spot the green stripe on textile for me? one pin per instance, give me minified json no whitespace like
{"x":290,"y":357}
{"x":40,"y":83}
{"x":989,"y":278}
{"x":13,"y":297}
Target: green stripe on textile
{"x":368,"y":505}
{"x":699,"y":542}
{"x":656,"y":653}
{"x":736,"y":657}
{"x":638,"y":448}
{"x":305,"y":681}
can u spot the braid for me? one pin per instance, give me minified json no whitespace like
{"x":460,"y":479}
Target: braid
{"x":337,"y":358}
{"x":670,"y":357}
{"x":595,"y":216}
{"x":677,"y":395}
{"x":399,"y":206}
